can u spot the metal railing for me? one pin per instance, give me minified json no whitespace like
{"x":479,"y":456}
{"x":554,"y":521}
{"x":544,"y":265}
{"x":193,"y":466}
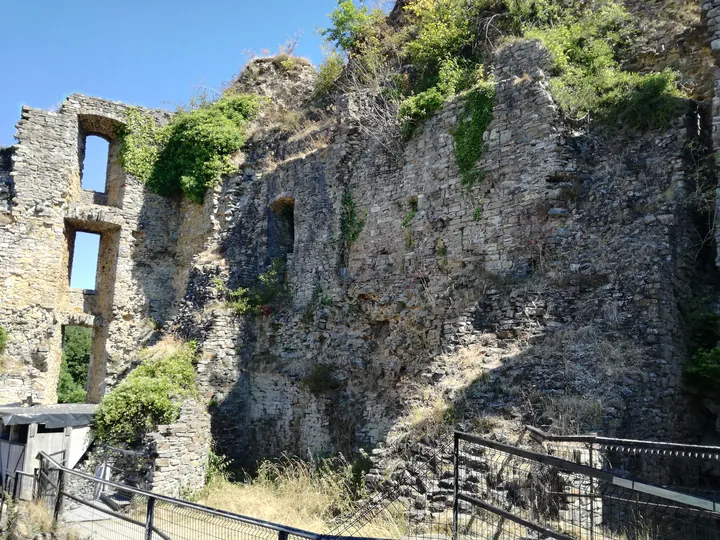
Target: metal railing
{"x":145,"y":514}
{"x":502,"y":491}
{"x":693,"y":469}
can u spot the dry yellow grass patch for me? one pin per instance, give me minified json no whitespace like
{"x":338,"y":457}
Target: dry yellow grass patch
{"x":298,"y":494}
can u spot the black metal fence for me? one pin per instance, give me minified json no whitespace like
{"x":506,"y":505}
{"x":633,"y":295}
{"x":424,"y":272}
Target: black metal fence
{"x":101,"y":509}
{"x":502,"y":491}
{"x":691,"y":469}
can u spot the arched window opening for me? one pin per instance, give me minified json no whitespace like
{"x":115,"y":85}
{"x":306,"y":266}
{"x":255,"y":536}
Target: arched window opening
{"x":281,"y":228}
{"x":94,"y":164}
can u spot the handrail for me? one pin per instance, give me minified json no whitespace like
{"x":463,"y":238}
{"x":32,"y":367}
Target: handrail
{"x":629,"y":443}
{"x":564,"y":465}
{"x":283,"y":529}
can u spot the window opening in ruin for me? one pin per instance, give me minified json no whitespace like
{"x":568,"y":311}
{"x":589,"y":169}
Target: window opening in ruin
{"x":281,"y":228}
{"x":43,"y":429}
{"x":75,"y":365}
{"x":84,"y":263}
{"x":95,"y":164}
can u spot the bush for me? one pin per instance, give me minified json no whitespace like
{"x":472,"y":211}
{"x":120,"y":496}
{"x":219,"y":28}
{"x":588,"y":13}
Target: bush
{"x":416,"y":109}
{"x":268,"y":294}
{"x":3,"y":339}
{"x":585,"y":49}
{"x":149,"y":396}
{"x":454,"y":76}
{"x":328,"y":74}
{"x":441,"y":30}
{"x":351,"y":225}
{"x":192,"y":152}
{"x":69,"y":390}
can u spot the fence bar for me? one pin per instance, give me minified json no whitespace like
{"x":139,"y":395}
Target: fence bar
{"x":630,"y":443}
{"x":283,"y":531}
{"x":507,"y":515}
{"x":456,"y":482}
{"x":150,"y":518}
{"x":563,"y":465}
{"x":58,"y":489}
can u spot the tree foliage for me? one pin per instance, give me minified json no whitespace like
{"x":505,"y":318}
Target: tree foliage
{"x":77,"y":346}
{"x":351,"y":25}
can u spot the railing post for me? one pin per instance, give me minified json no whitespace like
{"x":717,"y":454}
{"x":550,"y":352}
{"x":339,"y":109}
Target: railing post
{"x":150,"y":518}
{"x":592,"y":493}
{"x":282,"y":535}
{"x":60,"y":488}
{"x":456,"y":487}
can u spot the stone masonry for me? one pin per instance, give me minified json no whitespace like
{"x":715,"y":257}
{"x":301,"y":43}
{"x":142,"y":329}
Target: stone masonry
{"x":180,"y":452}
{"x":553,"y":289}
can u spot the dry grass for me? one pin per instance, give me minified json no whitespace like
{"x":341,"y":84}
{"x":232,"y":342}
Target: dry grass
{"x":298,"y":494}
{"x":431,"y":411}
{"x":167,"y":346}
{"x":34,"y":517}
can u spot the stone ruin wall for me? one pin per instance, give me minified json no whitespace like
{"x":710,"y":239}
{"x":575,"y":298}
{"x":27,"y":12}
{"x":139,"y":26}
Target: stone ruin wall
{"x":589,"y":231}
{"x":140,"y":262}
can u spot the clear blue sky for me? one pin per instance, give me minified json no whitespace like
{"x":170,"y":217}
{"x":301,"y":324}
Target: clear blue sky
{"x":154,"y":53}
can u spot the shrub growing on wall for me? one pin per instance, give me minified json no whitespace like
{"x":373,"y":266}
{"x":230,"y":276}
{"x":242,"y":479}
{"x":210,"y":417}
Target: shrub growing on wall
{"x":192,"y":152}
{"x":149,"y":396}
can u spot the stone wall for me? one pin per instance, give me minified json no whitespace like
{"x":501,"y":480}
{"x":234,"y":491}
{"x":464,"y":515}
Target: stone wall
{"x":553,"y":289}
{"x":138,"y":264}
{"x":569,"y":234}
{"x":180,"y":452}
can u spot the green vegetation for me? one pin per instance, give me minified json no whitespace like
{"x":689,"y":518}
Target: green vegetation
{"x":266,"y":296}
{"x":351,"y":224}
{"x":304,"y":494}
{"x":453,"y":76}
{"x":703,"y":373}
{"x":468,"y":134}
{"x":585,"y":48}
{"x":328,"y":74}
{"x":3,"y":339}
{"x":441,"y":32}
{"x":477,"y":214}
{"x":352,"y":25}
{"x":218,"y":467}
{"x":190,"y":153}
{"x":588,"y":43}
{"x":77,"y":346}
{"x":413,"y":204}
{"x":149,"y":396}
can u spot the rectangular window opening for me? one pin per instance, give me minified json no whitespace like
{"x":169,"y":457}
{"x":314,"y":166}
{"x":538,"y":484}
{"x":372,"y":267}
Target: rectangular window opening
{"x":94,"y":166}
{"x":75,"y":365}
{"x":84,"y":263}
